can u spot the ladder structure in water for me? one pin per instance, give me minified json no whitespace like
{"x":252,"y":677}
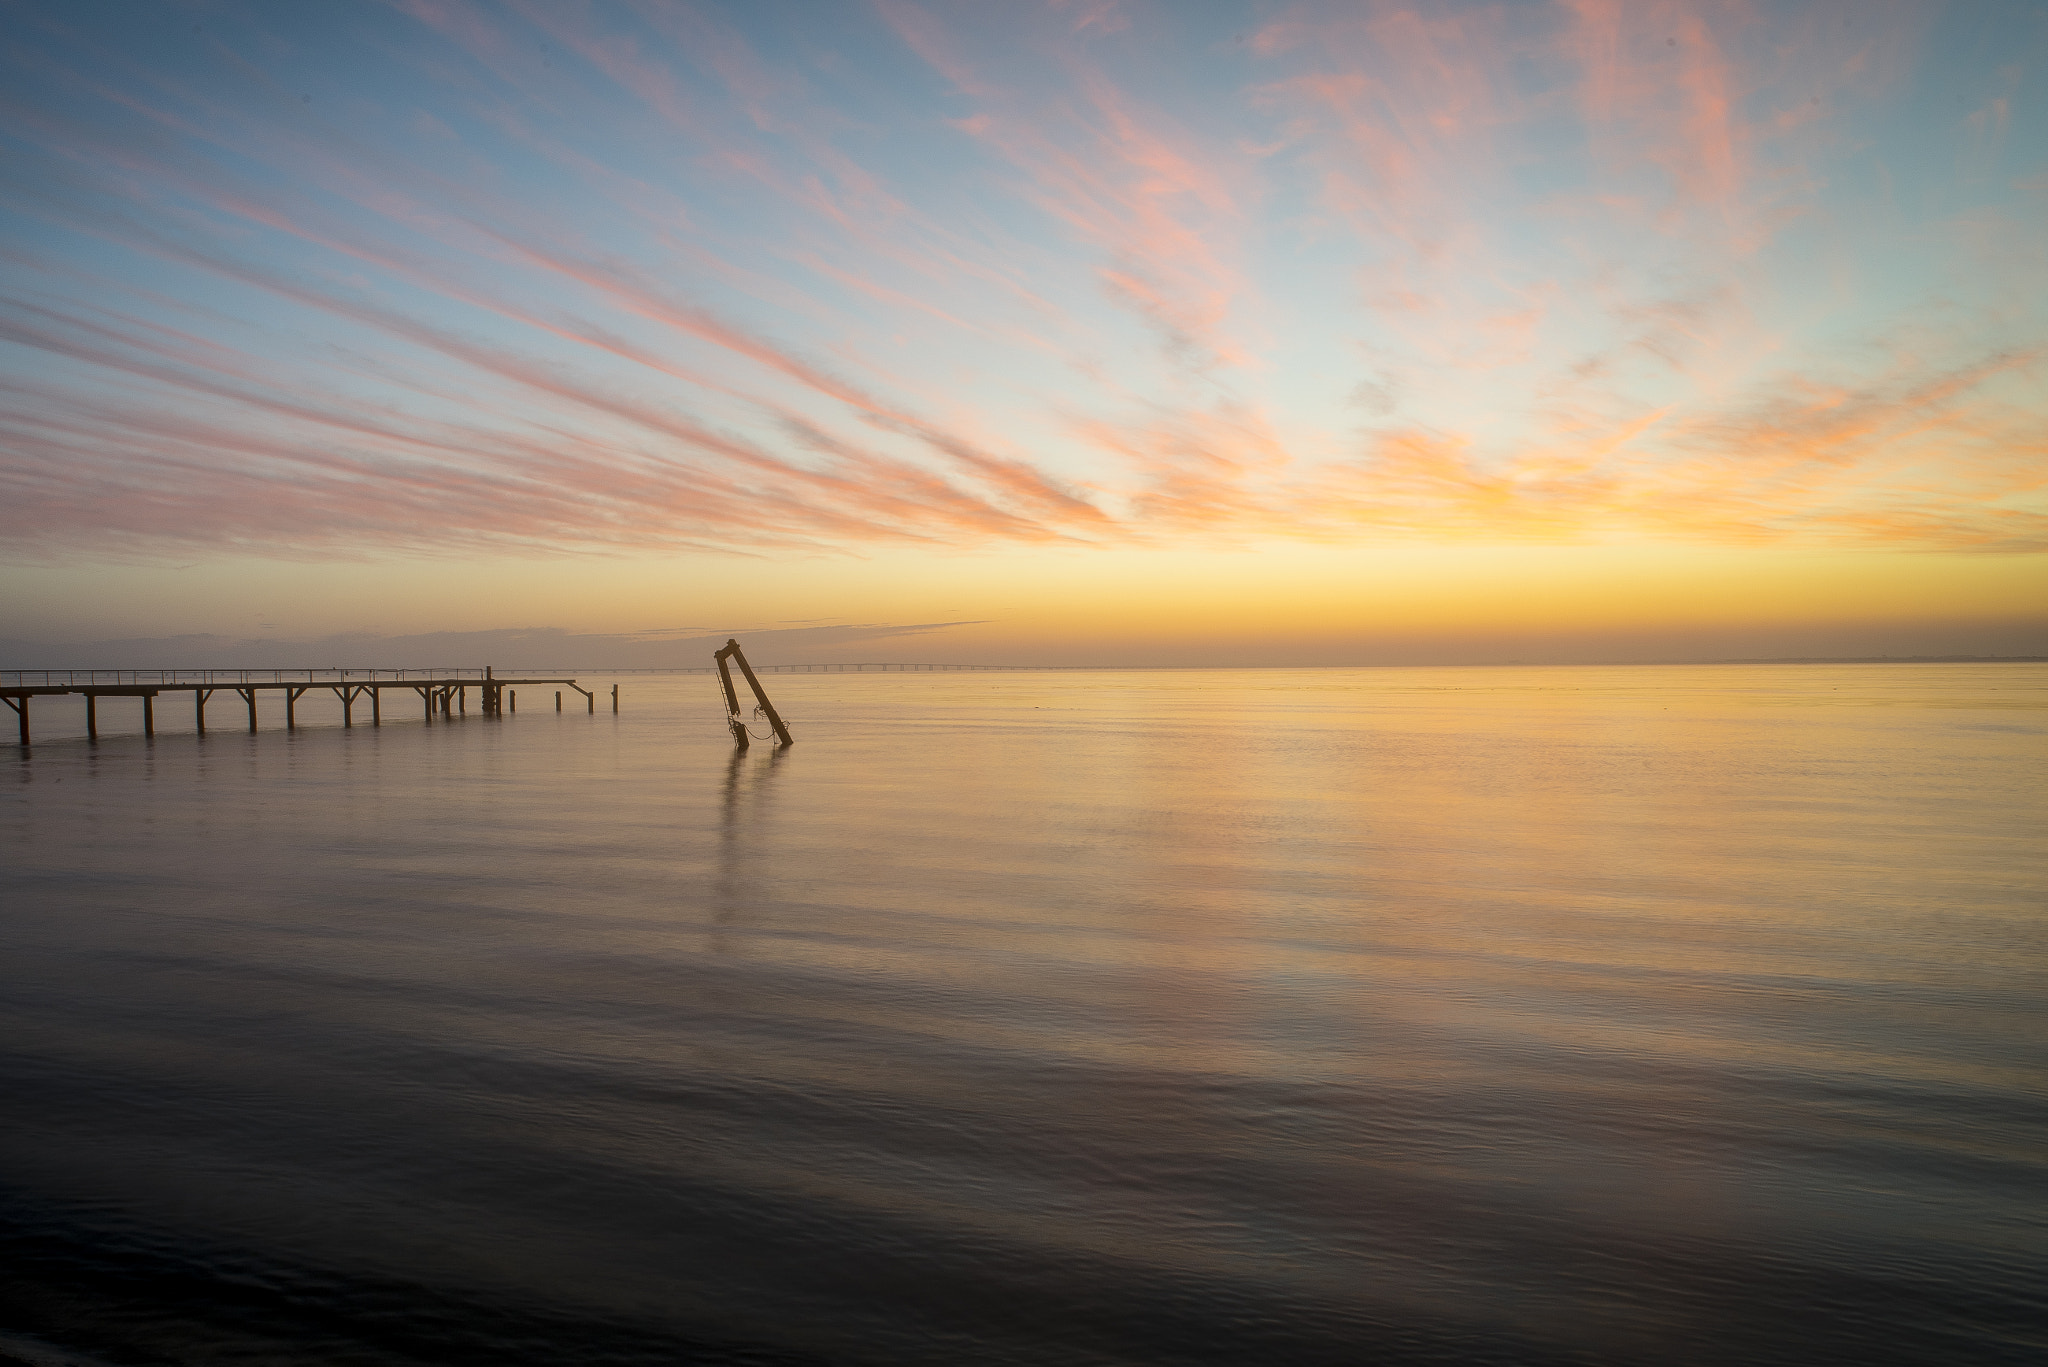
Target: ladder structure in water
{"x":443,"y":693}
{"x":734,"y":719}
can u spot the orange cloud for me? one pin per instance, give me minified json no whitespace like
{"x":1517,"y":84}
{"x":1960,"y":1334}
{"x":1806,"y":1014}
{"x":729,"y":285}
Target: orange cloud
{"x":1576,"y":264}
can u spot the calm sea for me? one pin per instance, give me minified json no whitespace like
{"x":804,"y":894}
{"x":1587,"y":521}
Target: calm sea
{"x":1400,"y":1016}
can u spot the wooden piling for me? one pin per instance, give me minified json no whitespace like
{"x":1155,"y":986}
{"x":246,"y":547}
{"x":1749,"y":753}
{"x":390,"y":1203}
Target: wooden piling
{"x":92,"y":717}
{"x":760,"y":694}
{"x":149,"y":716}
{"x":20,"y":706}
{"x":615,"y":699}
{"x":558,"y":700}
{"x":249,"y":695}
{"x":199,"y":697}
{"x":733,"y":720}
{"x":348,"y":702}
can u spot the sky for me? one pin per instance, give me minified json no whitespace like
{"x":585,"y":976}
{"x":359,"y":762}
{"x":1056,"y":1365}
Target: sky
{"x":1066,"y":332}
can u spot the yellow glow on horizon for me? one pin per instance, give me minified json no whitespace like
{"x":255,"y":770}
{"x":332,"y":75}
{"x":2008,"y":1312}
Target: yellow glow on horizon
{"x":1088,"y":601}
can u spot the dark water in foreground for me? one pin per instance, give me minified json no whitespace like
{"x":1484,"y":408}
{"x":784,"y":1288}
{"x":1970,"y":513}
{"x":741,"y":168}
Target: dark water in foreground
{"x":1515,"y":1016}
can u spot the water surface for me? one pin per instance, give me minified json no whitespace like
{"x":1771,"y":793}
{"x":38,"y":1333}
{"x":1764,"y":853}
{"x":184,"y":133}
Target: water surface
{"x":1518,"y":1016}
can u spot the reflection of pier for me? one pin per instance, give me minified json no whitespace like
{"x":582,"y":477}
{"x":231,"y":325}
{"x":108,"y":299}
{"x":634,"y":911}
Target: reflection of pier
{"x":442,"y":692}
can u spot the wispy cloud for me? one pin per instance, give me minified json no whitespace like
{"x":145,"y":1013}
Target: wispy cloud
{"x":453,"y":276}
{"x":513,"y":648}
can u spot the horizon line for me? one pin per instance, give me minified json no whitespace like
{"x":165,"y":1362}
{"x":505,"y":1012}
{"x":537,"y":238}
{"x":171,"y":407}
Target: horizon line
{"x":917,"y":666}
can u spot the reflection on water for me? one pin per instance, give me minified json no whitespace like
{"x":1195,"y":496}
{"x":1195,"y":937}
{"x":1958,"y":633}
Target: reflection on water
{"x":745,"y":813}
{"x":1406,"y":1016}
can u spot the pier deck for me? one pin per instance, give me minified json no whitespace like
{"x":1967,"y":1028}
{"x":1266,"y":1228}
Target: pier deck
{"x":441,"y":693}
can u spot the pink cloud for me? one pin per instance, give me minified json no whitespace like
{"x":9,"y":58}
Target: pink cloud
{"x":1123,"y":178}
{"x":742,"y":319}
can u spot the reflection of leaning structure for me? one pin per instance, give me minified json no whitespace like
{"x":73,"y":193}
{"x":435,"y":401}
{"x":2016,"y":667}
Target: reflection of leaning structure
{"x":763,"y":707}
{"x":442,"y":692}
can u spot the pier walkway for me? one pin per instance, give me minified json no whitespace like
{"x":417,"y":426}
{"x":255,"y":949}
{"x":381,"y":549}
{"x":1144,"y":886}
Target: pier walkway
{"x":441,"y":691}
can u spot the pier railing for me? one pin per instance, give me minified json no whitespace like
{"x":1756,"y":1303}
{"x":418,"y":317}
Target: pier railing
{"x":115,"y":678}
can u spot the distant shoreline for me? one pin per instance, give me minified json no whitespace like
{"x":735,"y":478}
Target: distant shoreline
{"x":909,"y":667}
{"x":1870,"y":660}
{"x":851,"y":667}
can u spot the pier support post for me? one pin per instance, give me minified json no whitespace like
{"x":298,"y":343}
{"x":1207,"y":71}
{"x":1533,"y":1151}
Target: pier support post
{"x":376,"y":705}
{"x":199,"y":697}
{"x":734,"y":722}
{"x":558,"y":700}
{"x":149,"y":716}
{"x":348,"y":703}
{"x":462,"y":699}
{"x":515,"y":699}
{"x":615,"y":699}
{"x":20,"y":706}
{"x":249,"y":696}
{"x":92,"y":716}
{"x":427,"y":700}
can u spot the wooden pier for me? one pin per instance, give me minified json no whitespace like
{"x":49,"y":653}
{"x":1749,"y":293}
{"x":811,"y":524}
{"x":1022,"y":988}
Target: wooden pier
{"x":442,"y":693}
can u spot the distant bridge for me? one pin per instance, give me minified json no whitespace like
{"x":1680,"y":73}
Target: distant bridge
{"x":871,"y":667}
